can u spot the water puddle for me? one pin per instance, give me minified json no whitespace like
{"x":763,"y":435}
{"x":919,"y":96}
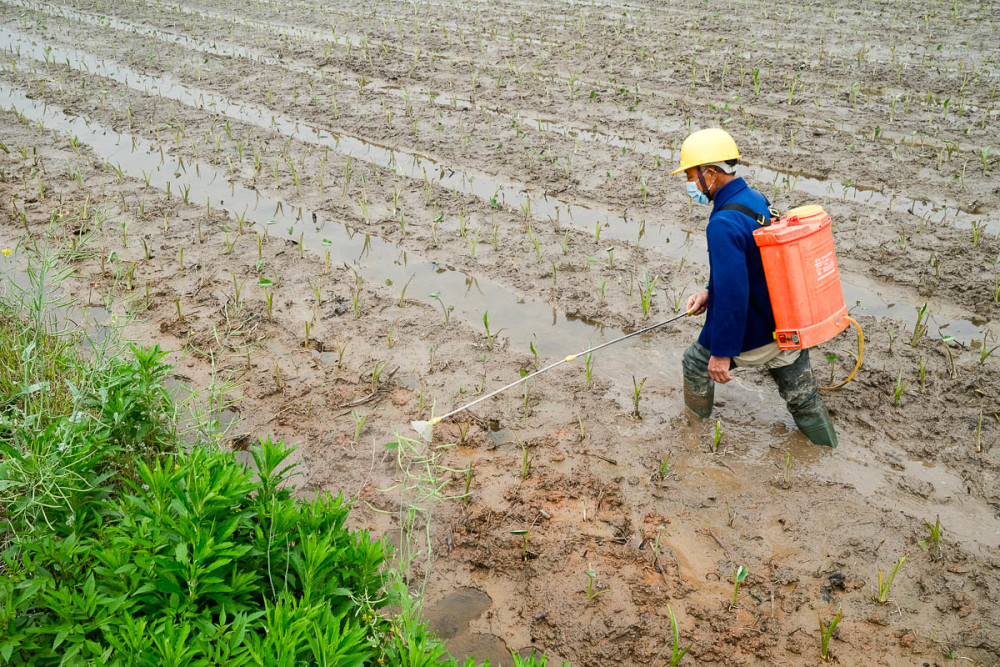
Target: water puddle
{"x":921,"y":489}
{"x":453,"y":613}
{"x":667,"y":240}
{"x":812,"y":185}
{"x":892,"y":481}
{"x":450,"y":618}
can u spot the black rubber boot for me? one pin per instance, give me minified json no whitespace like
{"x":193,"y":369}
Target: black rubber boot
{"x":699,"y":388}
{"x":797,"y":386}
{"x":699,"y":399}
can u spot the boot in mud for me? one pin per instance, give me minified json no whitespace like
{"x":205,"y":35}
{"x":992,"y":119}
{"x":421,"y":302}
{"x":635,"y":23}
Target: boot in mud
{"x":699,"y":388}
{"x":797,"y":386}
{"x":699,"y":399}
{"x":817,"y":426}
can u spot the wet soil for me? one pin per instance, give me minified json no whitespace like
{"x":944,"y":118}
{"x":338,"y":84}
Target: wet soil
{"x":272,"y":192}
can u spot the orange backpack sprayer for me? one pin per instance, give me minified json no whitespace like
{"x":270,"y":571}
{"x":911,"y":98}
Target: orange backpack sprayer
{"x":800,"y":266}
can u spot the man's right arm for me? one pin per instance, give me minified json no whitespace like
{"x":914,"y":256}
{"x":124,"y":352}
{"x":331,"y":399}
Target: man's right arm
{"x":697,"y":302}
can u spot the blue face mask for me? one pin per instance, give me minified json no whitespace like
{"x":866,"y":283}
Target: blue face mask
{"x":696,"y":195}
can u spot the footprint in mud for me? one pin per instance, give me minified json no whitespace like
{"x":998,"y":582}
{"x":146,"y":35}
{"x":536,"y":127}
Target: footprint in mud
{"x":450,"y":617}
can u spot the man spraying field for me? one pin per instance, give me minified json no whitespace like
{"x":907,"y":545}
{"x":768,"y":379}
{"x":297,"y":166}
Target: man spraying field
{"x":739,"y":322}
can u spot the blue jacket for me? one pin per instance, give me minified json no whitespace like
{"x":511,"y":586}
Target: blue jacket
{"x":739,"y":315}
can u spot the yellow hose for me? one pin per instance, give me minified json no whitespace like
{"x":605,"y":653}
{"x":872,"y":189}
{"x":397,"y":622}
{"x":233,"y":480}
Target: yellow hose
{"x":861,"y":354}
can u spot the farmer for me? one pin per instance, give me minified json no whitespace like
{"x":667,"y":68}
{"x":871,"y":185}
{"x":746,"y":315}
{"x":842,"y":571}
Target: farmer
{"x":739,"y":323}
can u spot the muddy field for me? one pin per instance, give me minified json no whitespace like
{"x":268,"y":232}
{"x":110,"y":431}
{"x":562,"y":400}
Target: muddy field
{"x":342,"y":218}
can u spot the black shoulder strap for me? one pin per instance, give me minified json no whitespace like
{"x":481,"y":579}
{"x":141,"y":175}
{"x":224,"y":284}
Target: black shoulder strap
{"x":762,"y":220}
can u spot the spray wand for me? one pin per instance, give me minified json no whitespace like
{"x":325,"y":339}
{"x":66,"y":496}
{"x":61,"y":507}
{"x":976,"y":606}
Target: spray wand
{"x":426,"y":428}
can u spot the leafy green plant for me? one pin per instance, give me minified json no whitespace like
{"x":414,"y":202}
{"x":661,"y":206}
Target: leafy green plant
{"x":527,"y":392}
{"x":390,"y":337}
{"x":130,"y":405}
{"x":832,"y":360}
{"x":885,"y":583}
{"x":717,"y":435}
{"x":591,"y":575}
{"x":317,"y":293}
{"x":326,"y":256}
{"x":899,"y":388}
{"x":588,"y":368}
{"x":377,"y":371}
{"x":677,"y":653}
{"x":664,"y":467}
{"x":826,"y":632}
{"x":467,"y":496}
{"x":636,"y":391}
{"x":524,"y":535}
{"x":601,"y":291}
{"x":533,"y":660}
{"x":920,"y":328}
{"x":356,"y":304}
{"x":646,"y":295}
{"x":245,"y":569}
{"x":446,"y":309}
{"x":977,"y":230}
{"x":402,"y":294}
{"x":738,"y":576}
{"x":359,"y":423}
{"x":932,"y":543}
{"x":489,"y":336}
{"x":268,"y":286}
{"x":985,"y":350}
{"x":472,"y":241}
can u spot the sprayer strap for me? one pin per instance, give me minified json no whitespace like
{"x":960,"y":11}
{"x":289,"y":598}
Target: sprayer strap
{"x":762,"y":220}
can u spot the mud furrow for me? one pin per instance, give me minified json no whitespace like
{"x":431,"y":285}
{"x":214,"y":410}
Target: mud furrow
{"x":660,"y":239}
{"x":805,"y":184}
{"x":828,"y":123}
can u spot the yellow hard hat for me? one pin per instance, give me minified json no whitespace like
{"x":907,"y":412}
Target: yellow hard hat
{"x":705,"y":147}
